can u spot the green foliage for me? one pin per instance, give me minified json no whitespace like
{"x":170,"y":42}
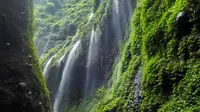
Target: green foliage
{"x":170,"y":81}
{"x":169,"y":60}
{"x":95,"y":4}
{"x":101,"y":14}
{"x":68,"y":22}
{"x":167,"y":56}
{"x":50,"y":7}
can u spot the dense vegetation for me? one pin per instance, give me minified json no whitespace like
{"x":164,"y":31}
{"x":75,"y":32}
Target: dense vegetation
{"x":66,"y":23}
{"x":163,"y":43}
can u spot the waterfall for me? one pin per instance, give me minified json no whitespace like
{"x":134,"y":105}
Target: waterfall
{"x":121,"y":14}
{"x":102,"y":52}
{"x":60,"y":61}
{"x":116,"y":18}
{"x":66,"y":76}
{"x":91,"y":15}
{"x":116,"y":5}
{"x":46,"y":68}
{"x":91,"y":60}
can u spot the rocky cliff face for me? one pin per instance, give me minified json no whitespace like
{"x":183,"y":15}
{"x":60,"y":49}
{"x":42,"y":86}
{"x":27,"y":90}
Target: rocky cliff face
{"x":22,"y":87}
{"x":100,"y":30}
{"x":148,"y":65}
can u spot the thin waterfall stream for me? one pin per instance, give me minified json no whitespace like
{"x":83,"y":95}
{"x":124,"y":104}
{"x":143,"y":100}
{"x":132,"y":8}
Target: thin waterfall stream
{"x":60,"y":60}
{"x":90,"y":66}
{"x":66,"y":76}
{"x":92,"y":54}
{"x":46,"y":68}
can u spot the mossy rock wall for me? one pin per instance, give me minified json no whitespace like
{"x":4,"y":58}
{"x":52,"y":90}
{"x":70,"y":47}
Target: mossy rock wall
{"x":22,"y":86}
{"x":164,"y":45}
{"x":168,"y":54}
{"x":161,"y":44}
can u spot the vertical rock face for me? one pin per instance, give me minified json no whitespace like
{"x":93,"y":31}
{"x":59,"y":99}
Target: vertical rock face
{"x":100,"y":31}
{"x":150,"y":65}
{"x":106,"y":47}
{"x":20,"y":89}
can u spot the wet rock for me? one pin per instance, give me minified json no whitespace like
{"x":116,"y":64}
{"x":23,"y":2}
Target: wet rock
{"x":137,"y":88}
{"x":15,"y":95}
{"x":180,"y":16}
{"x":22,"y":84}
{"x":8,"y":44}
{"x":30,"y":92}
{"x":29,"y":65}
{"x":29,"y":57}
{"x":22,"y":87}
{"x":3,"y":17}
{"x":183,"y":24}
{"x":128,"y":107}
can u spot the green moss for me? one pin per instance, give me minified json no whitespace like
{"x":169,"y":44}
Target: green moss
{"x":170,"y":81}
{"x":35,"y":63}
{"x":71,"y":21}
{"x":169,"y":60}
{"x":165,"y":56}
{"x":101,"y":14}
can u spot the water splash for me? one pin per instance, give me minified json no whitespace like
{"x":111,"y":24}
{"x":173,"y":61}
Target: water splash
{"x":66,"y":76}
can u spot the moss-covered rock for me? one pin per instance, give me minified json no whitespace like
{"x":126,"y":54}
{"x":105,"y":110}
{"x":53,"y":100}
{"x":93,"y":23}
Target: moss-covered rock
{"x":22,"y":86}
{"x":162,"y":42}
{"x":165,"y":43}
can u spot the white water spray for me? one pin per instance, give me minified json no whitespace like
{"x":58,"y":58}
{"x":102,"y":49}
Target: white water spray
{"x":91,"y":16}
{"x":60,"y":61}
{"x":66,"y":76}
{"x":92,"y":56}
{"x":46,"y":68}
{"x":116,"y":3}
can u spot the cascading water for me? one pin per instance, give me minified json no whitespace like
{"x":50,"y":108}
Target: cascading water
{"x":54,"y":76}
{"x":102,"y":52}
{"x":45,"y":71}
{"x":90,"y":68}
{"x":60,"y":61}
{"x":66,"y":76}
{"x":92,"y":54}
{"x":116,"y":6}
{"x":116,"y":18}
{"x":91,"y":16}
{"x":121,"y":13}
